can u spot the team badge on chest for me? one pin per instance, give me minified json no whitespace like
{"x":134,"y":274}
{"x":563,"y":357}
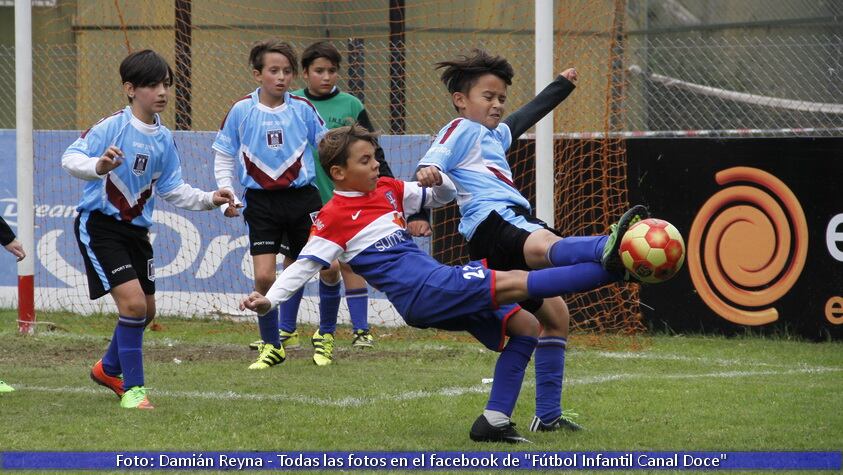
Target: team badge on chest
{"x":141,"y":161}
{"x":274,"y":138}
{"x":391,"y":199}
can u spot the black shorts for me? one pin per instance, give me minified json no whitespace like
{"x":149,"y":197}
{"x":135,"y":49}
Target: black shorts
{"x":502,"y":245}
{"x":114,"y":252}
{"x":280,"y":220}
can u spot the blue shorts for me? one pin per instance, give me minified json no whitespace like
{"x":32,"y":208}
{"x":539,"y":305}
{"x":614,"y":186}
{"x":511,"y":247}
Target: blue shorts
{"x":462,"y":298}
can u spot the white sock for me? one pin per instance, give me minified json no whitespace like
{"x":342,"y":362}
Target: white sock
{"x":495,"y":418}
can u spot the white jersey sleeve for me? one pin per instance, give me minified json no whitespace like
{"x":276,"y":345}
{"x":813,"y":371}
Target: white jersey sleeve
{"x":417,"y":197}
{"x":172,"y":188}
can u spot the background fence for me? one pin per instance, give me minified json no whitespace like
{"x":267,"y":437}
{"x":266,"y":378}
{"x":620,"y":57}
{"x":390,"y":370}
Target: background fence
{"x":715,"y":67}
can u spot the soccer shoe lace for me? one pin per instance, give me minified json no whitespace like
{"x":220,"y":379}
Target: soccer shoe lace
{"x":323,"y":345}
{"x":362,"y":339}
{"x":565,"y":421}
{"x":269,"y":356}
{"x":135,"y":398}
{"x":5,"y":388}
{"x":482,"y":431}
{"x":289,"y":340}
{"x":611,"y":259}
{"x":114,"y":383}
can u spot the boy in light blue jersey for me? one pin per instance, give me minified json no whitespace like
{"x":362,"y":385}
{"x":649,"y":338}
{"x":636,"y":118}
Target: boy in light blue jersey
{"x":115,"y":213}
{"x":364,"y":226}
{"x":270,"y":137}
{"x":497,"y":220}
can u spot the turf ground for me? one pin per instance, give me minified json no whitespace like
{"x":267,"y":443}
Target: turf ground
{"x":417,"y":390}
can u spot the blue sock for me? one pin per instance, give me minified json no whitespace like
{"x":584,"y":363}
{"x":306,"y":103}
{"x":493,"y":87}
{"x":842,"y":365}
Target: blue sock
{"x":562,"y":280}
{"x":268,"y":325}
{"x":550,"y":368}
{"x":509,"y":373}
{"x":289,"y":312}
{"x":358,"y":307}
{"x":576,"y":250}
{"x":329,"y":306}
{"x":129,"y":348}
{"x":111,"y":360}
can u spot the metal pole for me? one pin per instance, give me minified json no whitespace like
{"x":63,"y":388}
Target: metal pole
{"x":545,"y":175}
{"x":184,"y":60}
{"x":23,"y":124}
{"x":397,"y":87}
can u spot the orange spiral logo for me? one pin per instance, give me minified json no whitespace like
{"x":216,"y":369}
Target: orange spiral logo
{"x":747,"y":246}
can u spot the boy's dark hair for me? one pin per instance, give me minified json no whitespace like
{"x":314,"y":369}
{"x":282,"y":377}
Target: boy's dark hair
{"x":461,"y":74}
{"x":145,"y":68}
{"x":272,"y":45}
{"x":333,"y":149}
{"x":320,"y":49}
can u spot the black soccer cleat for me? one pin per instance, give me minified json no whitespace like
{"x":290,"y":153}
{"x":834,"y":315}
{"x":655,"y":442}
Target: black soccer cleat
{"x":611,"y":259}
{"x":563,"y":422}
{"x":482,"y":431}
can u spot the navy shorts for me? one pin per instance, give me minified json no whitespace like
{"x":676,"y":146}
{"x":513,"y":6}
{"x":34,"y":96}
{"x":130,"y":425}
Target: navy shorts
{"x":500,"y":239}
{"x":280,"y":220}
{"x":115,"y":252}
{"x":462,"y":298}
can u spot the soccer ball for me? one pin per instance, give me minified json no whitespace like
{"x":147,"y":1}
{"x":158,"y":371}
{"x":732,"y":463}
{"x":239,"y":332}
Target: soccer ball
{"x":652,"y":250}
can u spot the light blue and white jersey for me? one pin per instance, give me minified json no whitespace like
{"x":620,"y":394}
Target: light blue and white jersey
{"x":150,"y":164}
{"x":273,"y":147}
{"x":474,"y":157}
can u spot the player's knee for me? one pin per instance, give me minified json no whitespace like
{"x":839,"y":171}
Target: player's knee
{"x":523,"y":323}
{"x":134,"y":308}
{"x":332,"y":274}
{"x":264,"y":281}
{"x":554,"y":317}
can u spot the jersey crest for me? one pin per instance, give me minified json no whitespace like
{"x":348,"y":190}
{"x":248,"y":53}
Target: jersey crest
{"x":274,"y":138}
{"x":141,"y":161}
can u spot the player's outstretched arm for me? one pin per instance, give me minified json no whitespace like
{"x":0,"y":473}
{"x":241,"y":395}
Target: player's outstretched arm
{"x":224,"y":175}
{"x":288,"y":283}
{"x":442,"y":190}
{"x":550,"y":97}
{"x":7,"y":240}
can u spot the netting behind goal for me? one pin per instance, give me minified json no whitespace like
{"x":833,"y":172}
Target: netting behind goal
{"x":389,"y":49}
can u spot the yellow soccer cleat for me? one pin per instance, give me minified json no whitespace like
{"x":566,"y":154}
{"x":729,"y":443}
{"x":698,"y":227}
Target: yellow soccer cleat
{"x":269,"y":357}
{"x":323,"y":345}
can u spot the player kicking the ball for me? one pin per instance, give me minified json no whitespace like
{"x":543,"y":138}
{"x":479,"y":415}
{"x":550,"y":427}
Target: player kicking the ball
{"x":363,"y":225}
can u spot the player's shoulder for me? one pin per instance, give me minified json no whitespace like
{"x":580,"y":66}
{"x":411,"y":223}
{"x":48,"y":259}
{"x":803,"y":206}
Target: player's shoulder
{"x":386,"y":182}
{"x":301,"y":102}
{"x":351,"y":99}
{"x":458,"y":127}
{"x":239,"y":107}
{"x":111,"y":121}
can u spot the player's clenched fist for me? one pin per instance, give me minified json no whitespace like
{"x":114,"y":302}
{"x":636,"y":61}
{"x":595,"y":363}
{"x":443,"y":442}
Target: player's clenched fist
{"x":223,"y":196}
{"x":109,"y":160}
{"x":570,"y":74}
{"x":256,"y":302}
{"x":429,"y":176}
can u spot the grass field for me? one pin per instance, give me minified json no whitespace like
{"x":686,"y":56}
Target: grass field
{"x":417,"y":390}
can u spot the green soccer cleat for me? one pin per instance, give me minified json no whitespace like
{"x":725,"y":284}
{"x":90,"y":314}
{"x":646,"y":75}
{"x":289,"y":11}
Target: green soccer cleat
{"x":323,"y":345}
{"x":5,"y":388}
{"x":135,"y":398}
{"x":288,"y":341}
{"x":269,"y":357}
{"x":611,"y":259}
{"x":362,"y":339}
{"x":563,"y":422}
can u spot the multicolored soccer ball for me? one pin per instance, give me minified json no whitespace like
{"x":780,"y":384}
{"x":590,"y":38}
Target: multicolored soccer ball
{"x":652,"y":250}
